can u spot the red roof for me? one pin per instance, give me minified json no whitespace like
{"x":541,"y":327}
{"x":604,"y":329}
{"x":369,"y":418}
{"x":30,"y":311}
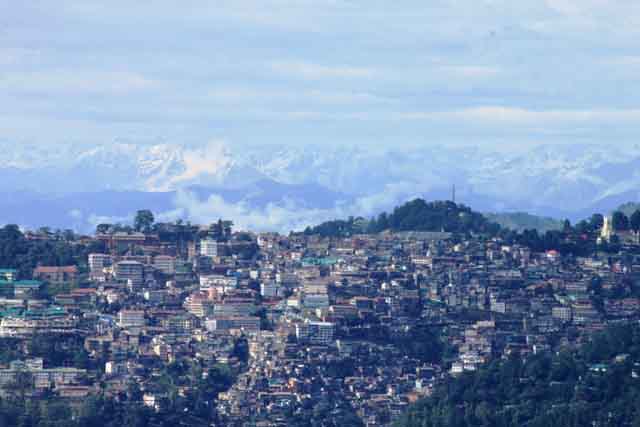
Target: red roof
{"x":53,"y":270}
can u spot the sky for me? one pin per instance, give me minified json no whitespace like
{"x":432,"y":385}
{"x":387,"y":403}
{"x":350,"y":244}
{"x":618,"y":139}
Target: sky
{"x":499,"y":73}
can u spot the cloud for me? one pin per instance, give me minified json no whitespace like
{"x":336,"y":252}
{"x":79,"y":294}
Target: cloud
{"x":76,"y":214}
{"x":18,"y":56}
{"x":272,"y":217}
{"x":470,"y":71}
{"x":279,"y":70}
{"x":282,"y":216}
{"x":391,"y":194}
{"x":94,"y":219}
{"x":515,"y":115}
{"x":286,"y":215}
{"x":312,"y":71}
{"x":61,"y":82}
{"x":262,"y":96}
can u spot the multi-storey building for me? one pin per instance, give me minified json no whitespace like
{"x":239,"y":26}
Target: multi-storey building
{"x":245,"y":323}
{"x":165,"y":264}
{"x":212,"y":248}
{"x":97,"y":262}
{"x":131,"y":272}
{"x":315,"y":332}
{"x":67,"y":274}
{"x":131,"y":318}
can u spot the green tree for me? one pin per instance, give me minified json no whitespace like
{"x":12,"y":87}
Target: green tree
{"x":620,"y":221}
{"x":103,"y":228}
{"x":144,"y":220}
{"x":634,"y":221}
{"x":542,"y":390}
{"x":583,"y":226}
{"x":597,"y":221}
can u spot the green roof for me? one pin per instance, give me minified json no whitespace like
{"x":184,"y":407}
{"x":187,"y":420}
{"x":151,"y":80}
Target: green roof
{"x":27,"y":283}
{"x":36,"y":313}
{"x":46,"y":312}
{"x":11,"y":312}
{"x":8,"y":270}
{"x":318,"y":261}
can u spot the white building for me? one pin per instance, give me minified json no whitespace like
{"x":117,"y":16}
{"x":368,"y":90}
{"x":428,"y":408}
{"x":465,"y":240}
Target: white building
{"x":270,"y":290}
{"x":155,"y":296}
{"x":287,"y":279}
{"x":212,"y":248}
{"x":131,"y":272}
{"x":97,"y":262}
{"x":165,"y":264}
{"x":199,"y":305}
{"x":244,"y":323}
{"x":131,"y":318}
{"x":316,"y":301}
{"x":219,"y":283}
{"x":315,"y":332}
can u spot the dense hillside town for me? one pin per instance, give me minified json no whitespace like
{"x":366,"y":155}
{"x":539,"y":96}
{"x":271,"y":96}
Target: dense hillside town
{"x":204,"y":325}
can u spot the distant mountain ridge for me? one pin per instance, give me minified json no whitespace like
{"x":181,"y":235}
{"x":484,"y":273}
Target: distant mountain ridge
{"x":82,"y":211}
{"x":305,"y":185}
{"x":628,"y":208}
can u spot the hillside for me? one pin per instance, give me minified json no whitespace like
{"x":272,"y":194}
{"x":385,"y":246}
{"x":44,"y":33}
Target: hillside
{"x":415,"y":215}
{"x":628,"y":208}
{"x":599,"y":384}
{"x":520,"y":221}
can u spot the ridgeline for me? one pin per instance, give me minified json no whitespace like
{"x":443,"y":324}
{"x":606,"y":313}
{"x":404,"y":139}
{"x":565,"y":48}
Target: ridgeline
{"x":416,"y":215}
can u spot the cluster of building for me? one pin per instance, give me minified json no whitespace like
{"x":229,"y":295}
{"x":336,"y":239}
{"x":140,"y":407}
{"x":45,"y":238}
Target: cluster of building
{"x":370,"y":323}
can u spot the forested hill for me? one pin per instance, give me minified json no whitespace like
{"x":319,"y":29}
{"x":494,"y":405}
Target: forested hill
{"x":597,"y":385}
{"x":520,"y":221}
{"x":416,"y":215}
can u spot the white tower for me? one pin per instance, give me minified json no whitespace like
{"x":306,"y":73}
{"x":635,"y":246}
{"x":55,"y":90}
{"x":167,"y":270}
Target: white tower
{"x":607,"y":229}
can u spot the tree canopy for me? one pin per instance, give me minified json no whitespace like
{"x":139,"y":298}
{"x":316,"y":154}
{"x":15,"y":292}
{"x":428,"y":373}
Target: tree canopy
{"x":620,"y":221}
{"x":634,"y":221}
{"x":416,"y":215}
{"x":596,"y":385}
{"x":16,"y":251}
{"x":143,"y":221}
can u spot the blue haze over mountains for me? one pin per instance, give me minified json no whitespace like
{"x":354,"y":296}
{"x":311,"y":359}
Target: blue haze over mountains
{"x":282,"y":187}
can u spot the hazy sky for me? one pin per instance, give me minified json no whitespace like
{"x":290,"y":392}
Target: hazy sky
{"x":315,"y":71}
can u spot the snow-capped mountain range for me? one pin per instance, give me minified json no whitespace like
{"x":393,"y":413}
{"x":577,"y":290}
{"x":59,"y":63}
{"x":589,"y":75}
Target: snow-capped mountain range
{"x":77,"y":185}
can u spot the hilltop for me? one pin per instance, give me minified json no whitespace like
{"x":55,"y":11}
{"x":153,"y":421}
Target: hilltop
{"x":415,"y":215}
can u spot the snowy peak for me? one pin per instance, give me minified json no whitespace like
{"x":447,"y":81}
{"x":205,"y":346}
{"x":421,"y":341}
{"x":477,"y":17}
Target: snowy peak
{"x":568,"y":178}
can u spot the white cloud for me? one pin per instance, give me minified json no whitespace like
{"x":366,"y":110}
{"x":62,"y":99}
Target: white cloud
{"x":238,"y":95}
{"x":81,"y":81}
{"x":288,"y":216}
{"x":76,"y":214}
{"x":94,"y":219}
{"x":624,"y":61}
{"x":311,"y":71}
{"x":470,"y":71}
{"x":281,"y":66}
{"x":272,"y":217}
{"x":18,"y":56}
{"x":515,"y":115}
